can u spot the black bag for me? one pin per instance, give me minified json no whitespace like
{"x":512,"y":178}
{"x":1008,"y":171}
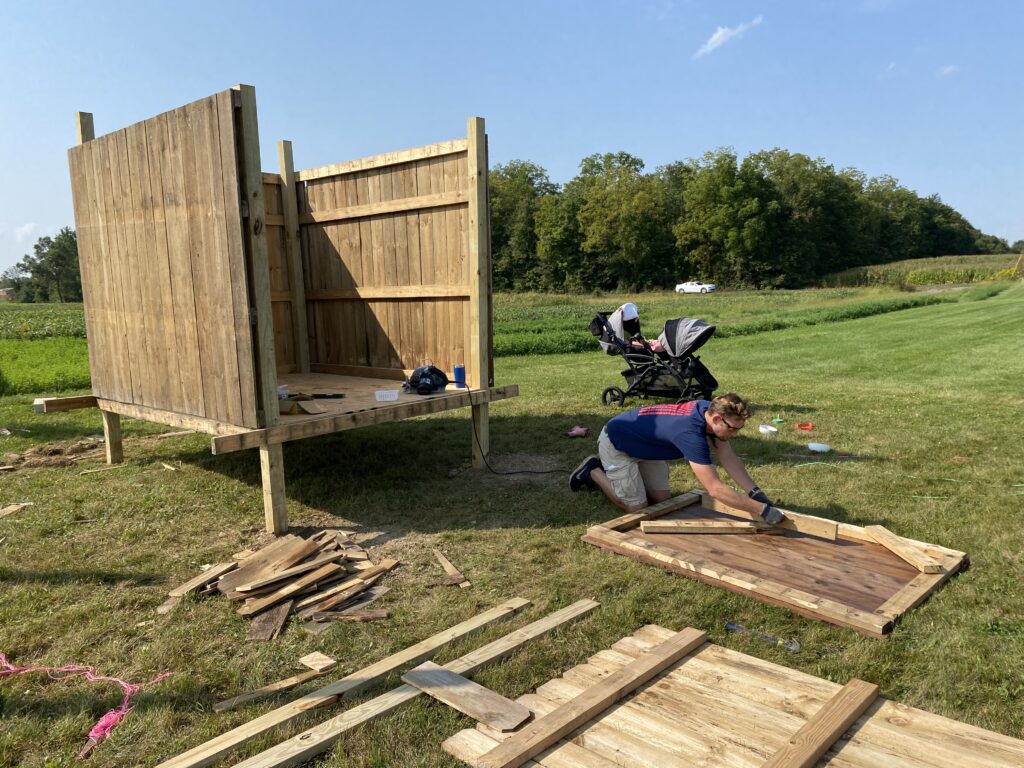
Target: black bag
{"x":426,"y":380}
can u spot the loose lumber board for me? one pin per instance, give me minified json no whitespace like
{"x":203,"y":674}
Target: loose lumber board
{"x":700,"y":526}
{"x":850,"y":581}
{"x":923,"y":562}
{"x":719,"y":708}
{"x":208,"y":576}
{"x":269,"y":624}
{"x":303,"y":747}
{"x":542,"y":733}
{"x":454,"y":574}
{"x":268,"y":690}
{"x":346,"y":688}
{"x":469,"y":698}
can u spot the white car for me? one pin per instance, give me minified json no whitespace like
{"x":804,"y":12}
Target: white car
{"x":695,"y":286}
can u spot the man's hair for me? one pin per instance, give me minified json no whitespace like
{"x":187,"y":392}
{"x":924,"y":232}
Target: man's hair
{"x":730,"y":405}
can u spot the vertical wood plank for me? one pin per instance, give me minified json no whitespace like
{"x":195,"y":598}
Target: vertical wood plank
{"x":252,"y":187}
{"x":442,"y":257}
{"x":171,"y":127}
{"x":229,"y":250}
{"x":275,"y":510}
{"x":84,"y":129}
{"x":478,"y":262}
{"x":412,"y":240}
{"x":355,"y":315}
{"x":146,"y":268}
{"x":428,"y":270}
{"x":155,"y":143}
{"x":289,"y":207}
{"x":112,"y":437}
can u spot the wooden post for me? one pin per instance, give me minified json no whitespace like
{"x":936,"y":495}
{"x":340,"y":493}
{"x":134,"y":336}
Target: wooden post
{"x":112,"y":437}
{"x":84,"y":127}
{"x":275,"y":506}
{"x":293,"y":254}
{"x":478,"y":362}
{"x":271,"y":457}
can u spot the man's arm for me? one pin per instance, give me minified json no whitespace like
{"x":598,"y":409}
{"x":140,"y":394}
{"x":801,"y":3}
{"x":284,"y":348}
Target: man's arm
{"x":708,"y":477}
{"x":731,"y":463}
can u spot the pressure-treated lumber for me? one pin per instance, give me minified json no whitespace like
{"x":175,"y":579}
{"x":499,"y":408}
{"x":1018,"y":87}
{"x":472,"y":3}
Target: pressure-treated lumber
{"x":268,"y":690}
{"x":312,"y":742}
{"x":293,"y":254}
{"x":813,"y":740}
{"x":388,"y":158}
{"x":296,"y":570}
{"x":541,"y":734}
{"x":633,"y":519}
{"x":208,"y":576}
{"x":455,"y":575}
{"x":262,"y":603}
{"x":703,"y":526}
{"x":896,"y":545}
{"x":329,"y":423}
{"x":347,"y":687}
{"x":57,"y":404}
{"x":469,"y":698}
{"x":815,"y":526}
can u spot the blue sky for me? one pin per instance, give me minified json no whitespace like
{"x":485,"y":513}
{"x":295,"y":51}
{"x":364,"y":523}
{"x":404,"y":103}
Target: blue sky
{"x":927,"y":92}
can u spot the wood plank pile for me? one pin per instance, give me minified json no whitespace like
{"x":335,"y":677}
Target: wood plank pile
{"x":321,"y":579}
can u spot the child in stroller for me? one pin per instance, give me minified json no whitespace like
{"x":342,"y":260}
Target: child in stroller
{"x":664,"y":368}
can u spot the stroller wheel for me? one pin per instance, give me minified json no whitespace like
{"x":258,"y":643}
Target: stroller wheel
{"x":613,"y":396}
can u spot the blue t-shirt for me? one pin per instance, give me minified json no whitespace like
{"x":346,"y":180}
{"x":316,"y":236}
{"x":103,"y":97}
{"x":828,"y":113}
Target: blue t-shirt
{"x":663,"y":432}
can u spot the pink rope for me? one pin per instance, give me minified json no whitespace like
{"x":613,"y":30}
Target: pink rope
{"x":105,"y":724}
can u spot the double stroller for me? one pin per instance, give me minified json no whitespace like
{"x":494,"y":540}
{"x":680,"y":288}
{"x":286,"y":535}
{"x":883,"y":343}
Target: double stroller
{"x":666,"y":368}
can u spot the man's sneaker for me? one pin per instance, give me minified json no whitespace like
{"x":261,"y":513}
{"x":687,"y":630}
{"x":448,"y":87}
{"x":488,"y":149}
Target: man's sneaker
{"x":580,"y":476}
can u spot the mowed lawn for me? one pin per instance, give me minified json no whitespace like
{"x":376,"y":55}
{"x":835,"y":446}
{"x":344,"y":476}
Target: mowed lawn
{"x":926,"y":404}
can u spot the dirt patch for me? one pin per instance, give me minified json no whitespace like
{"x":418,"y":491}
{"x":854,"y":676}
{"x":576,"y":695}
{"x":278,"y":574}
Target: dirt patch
{"x":52,"y":454}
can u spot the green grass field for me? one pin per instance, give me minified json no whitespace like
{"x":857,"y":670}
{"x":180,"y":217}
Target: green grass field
{"x":928,"y":399}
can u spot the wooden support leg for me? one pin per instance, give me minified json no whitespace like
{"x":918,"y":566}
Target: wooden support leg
{"x":481,"y":435}
{"x":275,"y":508}
{"x":112,"y":437}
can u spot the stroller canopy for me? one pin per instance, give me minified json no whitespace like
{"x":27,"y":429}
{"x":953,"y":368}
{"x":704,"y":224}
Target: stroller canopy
{"x":685,"y":335}
{"x":624,"y":322}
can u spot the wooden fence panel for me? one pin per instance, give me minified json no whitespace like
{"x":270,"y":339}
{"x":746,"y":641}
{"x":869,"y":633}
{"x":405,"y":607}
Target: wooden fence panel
{"x":159,"y":224}
{"x":391,"y":262}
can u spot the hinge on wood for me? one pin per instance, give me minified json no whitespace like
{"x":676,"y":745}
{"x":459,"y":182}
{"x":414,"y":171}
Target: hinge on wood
{"x":245,"y":208}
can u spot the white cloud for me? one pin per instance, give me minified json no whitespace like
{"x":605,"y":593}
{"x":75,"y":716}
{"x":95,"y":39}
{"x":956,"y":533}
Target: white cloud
{"x":948,"y":69}
{"x":23,"y":231}
{"x":722,"y":35}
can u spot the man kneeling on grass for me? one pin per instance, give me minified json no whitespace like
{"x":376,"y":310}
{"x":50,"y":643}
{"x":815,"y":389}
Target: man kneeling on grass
{"x":635,"y":446}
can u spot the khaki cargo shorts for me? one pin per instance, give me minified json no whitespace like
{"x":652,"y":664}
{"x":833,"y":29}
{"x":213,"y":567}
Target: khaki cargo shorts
{"x":631,"y":478}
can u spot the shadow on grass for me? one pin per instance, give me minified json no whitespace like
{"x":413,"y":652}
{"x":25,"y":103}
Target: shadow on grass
{"x":83,"y":576}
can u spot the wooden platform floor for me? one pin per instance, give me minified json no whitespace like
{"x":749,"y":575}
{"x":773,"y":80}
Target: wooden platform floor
{"x":358,"y":408}
{"x":718,"y":708}
{"x":851,"y":581}
{"x":359,"y":393}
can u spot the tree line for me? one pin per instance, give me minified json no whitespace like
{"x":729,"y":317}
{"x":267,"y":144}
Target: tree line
{"x":772,"y":219}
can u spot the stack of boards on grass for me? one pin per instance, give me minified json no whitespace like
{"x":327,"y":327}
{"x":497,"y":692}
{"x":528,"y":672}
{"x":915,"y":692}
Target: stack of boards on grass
{"x":865,"y":579}
{"x":321,"y":579}
{"x":668,"y":699}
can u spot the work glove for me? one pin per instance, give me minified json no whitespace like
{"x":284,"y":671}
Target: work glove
{"x":758,"y":495}
{"x":772,"y":515}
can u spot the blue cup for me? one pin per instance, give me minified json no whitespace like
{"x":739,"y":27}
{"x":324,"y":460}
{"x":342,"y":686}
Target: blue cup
{"x":460,"y":375}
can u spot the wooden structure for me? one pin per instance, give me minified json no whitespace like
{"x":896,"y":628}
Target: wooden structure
{"x":821,"y":569}
{"x":208,"y":283}
{"x":718,"y":708}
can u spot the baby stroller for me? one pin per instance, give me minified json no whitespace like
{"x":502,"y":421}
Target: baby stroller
{"x":667,"y":368}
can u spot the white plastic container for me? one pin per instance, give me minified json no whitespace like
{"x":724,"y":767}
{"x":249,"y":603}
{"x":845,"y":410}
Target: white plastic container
{"x":819,"y":447}
{"x":386,"y":395}
{"x":767,"y":429}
